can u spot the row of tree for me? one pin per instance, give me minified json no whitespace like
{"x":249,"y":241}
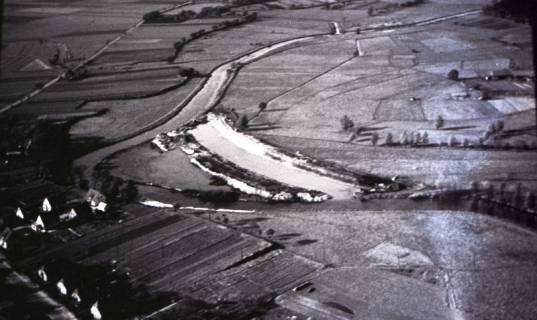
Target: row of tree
{"x":178,"y":45}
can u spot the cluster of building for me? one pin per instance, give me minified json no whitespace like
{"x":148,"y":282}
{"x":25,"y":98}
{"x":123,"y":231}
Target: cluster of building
{"x":94,"y":199}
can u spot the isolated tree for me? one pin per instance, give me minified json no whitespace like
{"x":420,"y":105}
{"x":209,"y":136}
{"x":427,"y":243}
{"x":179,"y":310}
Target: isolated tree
{"x":499,"y":125}
{"x":346,"y":123}
{"x":466,"y":142}
{"x":419,"y":138}
{"x":374,"y":138}
{"x":439,"y":122}
{"x":370,"y":11}
{"x":262,"y":106}
{"x":453,"y":74}
{"x":389,"y":139}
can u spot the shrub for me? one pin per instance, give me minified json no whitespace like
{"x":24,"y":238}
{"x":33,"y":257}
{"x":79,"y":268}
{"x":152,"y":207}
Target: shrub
{"x":453,"y":74}
{"x":346,"y":123}
{"x":242,"y":122}
{"x":77,"y":74}
{"x":152,"y":15}
{"x":188,"y":72}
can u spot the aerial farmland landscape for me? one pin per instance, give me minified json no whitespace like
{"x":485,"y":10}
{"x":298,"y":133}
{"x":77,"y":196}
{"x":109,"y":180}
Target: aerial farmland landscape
{"x":268,"y":159}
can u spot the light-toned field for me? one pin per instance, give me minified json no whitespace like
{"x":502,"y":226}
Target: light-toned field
{"x":403,"y":264}
{"x":450,"y":167}
{"x":399,"y":85}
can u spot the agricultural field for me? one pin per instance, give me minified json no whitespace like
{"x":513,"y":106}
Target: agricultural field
{"x":287,"y":159}
{"x":431,"y":256}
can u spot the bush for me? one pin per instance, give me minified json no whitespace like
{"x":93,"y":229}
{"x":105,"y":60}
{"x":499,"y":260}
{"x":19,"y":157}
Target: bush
{"x":242,"y":122}
{"x":188,"y":72}
{"x":453,"y":74}
{"x":346,"y":123}
{"x":152,"y":15}
{"x":77,"y":74}
{"x":178,"y":45}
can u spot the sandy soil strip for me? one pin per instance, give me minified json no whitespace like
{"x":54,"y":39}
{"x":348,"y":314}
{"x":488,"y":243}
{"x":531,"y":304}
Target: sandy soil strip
{"x":248,"y":152}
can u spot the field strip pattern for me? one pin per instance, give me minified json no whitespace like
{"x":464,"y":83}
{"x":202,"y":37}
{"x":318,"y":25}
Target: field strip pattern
{"x":172,"y":251}
{"x":84,"y":62}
